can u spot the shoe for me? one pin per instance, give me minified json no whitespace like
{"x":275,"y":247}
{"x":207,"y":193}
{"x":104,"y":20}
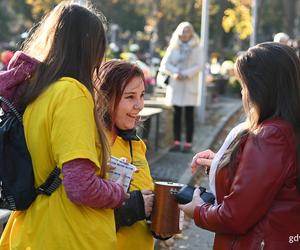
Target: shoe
{"x":187,"y":148}
{"x":175,"y":147}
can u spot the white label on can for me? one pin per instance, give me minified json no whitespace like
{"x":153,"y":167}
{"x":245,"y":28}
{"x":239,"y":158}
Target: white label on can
{"x":181,"y":220}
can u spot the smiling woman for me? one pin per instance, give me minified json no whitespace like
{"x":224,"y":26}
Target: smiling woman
{"x":131,"y":103}
{"x":123,"y":85}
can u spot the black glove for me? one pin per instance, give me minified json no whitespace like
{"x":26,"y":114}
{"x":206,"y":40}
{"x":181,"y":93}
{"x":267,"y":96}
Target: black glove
{"x":185,"y":195}
{"x":131,"y":211}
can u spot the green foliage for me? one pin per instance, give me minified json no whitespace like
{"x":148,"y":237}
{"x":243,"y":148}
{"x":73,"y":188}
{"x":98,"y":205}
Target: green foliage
{"x":20,"y":6}
{"x":238,"y":18}
{"x":4,"y":22}
{"x":14,"y":16}
{"x":124,"y":13}
{"x":271,"y":21}
{"x":39,"y":7}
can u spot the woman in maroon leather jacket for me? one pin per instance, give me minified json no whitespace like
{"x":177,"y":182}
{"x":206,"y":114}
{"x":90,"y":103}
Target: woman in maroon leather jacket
{"x":256,"y":173}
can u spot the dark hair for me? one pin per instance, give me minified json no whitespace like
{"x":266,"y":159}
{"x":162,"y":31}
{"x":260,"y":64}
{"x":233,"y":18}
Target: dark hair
{"x":69,"y":41}
{"x":113,"y":79}
{"x":270,"y":77}
{"x":270,"y":73}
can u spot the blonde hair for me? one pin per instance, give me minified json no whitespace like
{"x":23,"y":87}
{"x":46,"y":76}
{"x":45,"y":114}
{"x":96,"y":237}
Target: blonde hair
{"x":175,"y":40}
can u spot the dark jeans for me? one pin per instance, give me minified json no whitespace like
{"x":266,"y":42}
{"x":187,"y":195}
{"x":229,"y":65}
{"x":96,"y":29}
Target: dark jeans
{"x":189,"y":123}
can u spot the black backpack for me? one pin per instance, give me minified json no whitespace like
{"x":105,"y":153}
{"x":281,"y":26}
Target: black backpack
{"x":16,"y":171}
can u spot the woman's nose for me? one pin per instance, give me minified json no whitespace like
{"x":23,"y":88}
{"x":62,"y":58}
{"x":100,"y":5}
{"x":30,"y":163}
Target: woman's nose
{"x":139,"y":105}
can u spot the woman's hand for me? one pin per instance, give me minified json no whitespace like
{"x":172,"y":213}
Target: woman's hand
{"x":148,"y":201}
{"x":179,"y":76}
{"x":189,"y":208}
{"x":203,"y":158}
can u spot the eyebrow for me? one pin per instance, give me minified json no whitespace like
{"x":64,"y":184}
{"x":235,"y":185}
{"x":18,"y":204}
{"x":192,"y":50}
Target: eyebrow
{"x":132,"y":92}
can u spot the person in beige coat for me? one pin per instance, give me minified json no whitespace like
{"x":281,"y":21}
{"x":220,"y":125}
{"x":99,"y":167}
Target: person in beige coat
{"x":182,"y":63}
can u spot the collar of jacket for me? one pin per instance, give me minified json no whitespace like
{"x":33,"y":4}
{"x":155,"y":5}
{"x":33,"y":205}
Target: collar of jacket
{"x":128,"y":135}
{"x":13,"y":81}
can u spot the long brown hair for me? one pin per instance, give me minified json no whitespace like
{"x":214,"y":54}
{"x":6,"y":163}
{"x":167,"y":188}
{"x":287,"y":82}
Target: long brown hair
{"x":69,"y":41}
{"x":113,"y":79}
{"x":270,"y":77}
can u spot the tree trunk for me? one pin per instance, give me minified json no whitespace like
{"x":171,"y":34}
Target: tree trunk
{"x":290,"y":15}
{"x":219,"y":34}
{"x":259,"y":18}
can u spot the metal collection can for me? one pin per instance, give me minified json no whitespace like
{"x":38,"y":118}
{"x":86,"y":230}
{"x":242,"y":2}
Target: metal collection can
{"x":166,"y":215}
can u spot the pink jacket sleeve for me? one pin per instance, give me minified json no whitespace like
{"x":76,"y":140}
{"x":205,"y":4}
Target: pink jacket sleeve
{"x":84,"y":187}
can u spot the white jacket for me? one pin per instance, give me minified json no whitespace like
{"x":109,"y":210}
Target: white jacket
{"x":183,"y":59}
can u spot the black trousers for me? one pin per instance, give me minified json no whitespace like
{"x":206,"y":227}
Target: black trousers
{"x":189,"y":122}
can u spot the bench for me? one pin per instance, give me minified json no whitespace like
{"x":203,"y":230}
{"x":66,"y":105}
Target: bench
{"x":156,"y":102}
{"x":148,"y":112}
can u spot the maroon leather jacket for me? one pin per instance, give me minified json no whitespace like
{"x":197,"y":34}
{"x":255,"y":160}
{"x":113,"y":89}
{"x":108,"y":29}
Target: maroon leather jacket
{"x":258,"y":207}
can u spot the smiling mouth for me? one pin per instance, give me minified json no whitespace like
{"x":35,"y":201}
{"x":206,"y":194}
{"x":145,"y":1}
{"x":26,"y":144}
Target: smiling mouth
{"x":132,"y":116}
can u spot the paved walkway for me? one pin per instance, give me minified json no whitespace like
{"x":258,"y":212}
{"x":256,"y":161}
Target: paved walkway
{"x":176,"y":167}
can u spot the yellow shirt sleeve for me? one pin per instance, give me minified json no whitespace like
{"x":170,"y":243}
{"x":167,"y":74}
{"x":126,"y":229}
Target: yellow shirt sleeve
{"x":73,"y":133}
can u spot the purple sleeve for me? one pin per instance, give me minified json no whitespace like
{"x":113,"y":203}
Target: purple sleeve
{"x":84,"y":187}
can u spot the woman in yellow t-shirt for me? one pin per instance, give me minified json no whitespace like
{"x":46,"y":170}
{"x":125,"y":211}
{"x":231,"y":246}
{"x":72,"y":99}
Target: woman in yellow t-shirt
{"x":123,"y":85}
{"x":63,"y":129}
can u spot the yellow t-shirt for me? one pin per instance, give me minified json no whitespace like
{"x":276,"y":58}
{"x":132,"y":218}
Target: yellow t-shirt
{"x":138,"y":235}
{"x":59,"y":127}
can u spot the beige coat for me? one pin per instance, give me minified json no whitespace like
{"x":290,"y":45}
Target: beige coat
{"x":183,"y":59}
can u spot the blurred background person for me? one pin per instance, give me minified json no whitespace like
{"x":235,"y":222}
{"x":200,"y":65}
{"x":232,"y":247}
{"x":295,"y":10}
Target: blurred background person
{"x":181,"y":62}
{"x":281,"y":38}
{"x":5,"y":58}
{"x":296,"y":45}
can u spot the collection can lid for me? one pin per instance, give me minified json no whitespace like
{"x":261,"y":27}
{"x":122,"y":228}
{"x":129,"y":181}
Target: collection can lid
{"x":169,"y":184}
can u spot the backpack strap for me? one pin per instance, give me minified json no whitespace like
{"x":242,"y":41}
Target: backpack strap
{"x":51,"y":184}
{"x":53,"y":181}
{"x":11,"y":107}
